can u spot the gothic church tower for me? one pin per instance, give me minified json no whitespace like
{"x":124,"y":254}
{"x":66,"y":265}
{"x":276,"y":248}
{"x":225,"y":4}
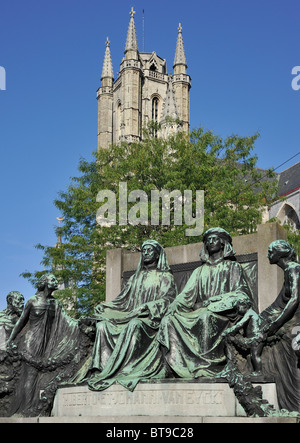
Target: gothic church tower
{"x":143,"y":92}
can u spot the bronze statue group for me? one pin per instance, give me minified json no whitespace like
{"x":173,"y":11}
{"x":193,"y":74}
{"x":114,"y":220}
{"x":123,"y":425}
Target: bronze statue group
{"x":150,"y":331}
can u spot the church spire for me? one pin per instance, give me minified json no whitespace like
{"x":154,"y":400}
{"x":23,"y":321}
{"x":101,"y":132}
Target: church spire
{"x":131,"y":42}
{"x":107,"y":71}
{"x":105,"y":101}
{"x":180,"y":59}
{"x":59,"y":236}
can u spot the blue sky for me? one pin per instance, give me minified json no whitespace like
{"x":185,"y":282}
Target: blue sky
{"x":240,"y":55}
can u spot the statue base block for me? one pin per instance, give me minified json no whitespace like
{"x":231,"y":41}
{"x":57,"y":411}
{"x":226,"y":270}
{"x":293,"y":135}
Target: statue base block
{"x":180,"y":398}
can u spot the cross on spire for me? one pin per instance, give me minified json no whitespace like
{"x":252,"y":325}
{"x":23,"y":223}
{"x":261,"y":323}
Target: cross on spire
{"x":132,"y":12}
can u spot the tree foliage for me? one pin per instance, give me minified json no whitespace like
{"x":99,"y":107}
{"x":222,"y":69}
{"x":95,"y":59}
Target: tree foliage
{"x":235,"y":192}
{"x":294,"y":240}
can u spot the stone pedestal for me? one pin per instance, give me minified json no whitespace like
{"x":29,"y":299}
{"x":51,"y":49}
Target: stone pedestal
{"x":180,"y":399}
{"x":153,"y":407}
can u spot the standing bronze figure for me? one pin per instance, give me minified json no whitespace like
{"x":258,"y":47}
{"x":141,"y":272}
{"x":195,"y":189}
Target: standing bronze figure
{"x":48,"y":344}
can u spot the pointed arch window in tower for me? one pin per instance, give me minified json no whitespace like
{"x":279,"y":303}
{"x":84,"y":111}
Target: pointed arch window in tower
{"x":155,"y":115}
{"x":118,"y":123}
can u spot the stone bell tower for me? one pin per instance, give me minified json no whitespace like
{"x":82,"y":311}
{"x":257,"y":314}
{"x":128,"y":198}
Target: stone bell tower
{"x":144,"y":91}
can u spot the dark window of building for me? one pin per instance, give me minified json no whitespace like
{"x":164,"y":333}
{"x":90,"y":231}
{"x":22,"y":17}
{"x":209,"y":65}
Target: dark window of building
{"x":155,"y":114}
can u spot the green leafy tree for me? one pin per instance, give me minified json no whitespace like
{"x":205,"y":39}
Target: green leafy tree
{"x":294,"y":239}
{"x":234,"y":194}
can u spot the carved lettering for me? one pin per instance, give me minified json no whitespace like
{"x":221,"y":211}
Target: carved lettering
{"x":184,"y":397}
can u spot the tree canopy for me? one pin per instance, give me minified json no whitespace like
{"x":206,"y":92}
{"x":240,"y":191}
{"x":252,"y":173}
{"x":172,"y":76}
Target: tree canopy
{"x":235,"y":192}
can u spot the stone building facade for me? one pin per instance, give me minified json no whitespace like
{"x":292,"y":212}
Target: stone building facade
{"x":144,"y":91}
{"x":287,"y":208}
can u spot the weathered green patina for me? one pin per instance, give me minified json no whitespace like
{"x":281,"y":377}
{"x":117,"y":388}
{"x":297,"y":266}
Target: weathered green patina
{"x":150,"y":332}
{"x":49,"y":345}
{"x":282,"y":320}
{"x":125,"y":348}
{"x":191,"y":332}
{"x":10,"y":316}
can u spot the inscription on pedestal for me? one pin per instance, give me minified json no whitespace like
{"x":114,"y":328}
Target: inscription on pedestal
{"x":182,"y":399}
{"x":108,"y":399}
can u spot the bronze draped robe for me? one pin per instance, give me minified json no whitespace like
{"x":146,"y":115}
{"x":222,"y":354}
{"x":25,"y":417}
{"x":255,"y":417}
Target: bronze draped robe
{"x":51,"y":347}
{"x":192,"y":334}
{"x":125,"y":348}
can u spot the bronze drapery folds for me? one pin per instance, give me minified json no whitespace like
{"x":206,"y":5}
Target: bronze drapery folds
{"x":49,"y":346}
{"x":150,"y":332}
{"x":125,"y":348}
{"x":191,"y":332}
